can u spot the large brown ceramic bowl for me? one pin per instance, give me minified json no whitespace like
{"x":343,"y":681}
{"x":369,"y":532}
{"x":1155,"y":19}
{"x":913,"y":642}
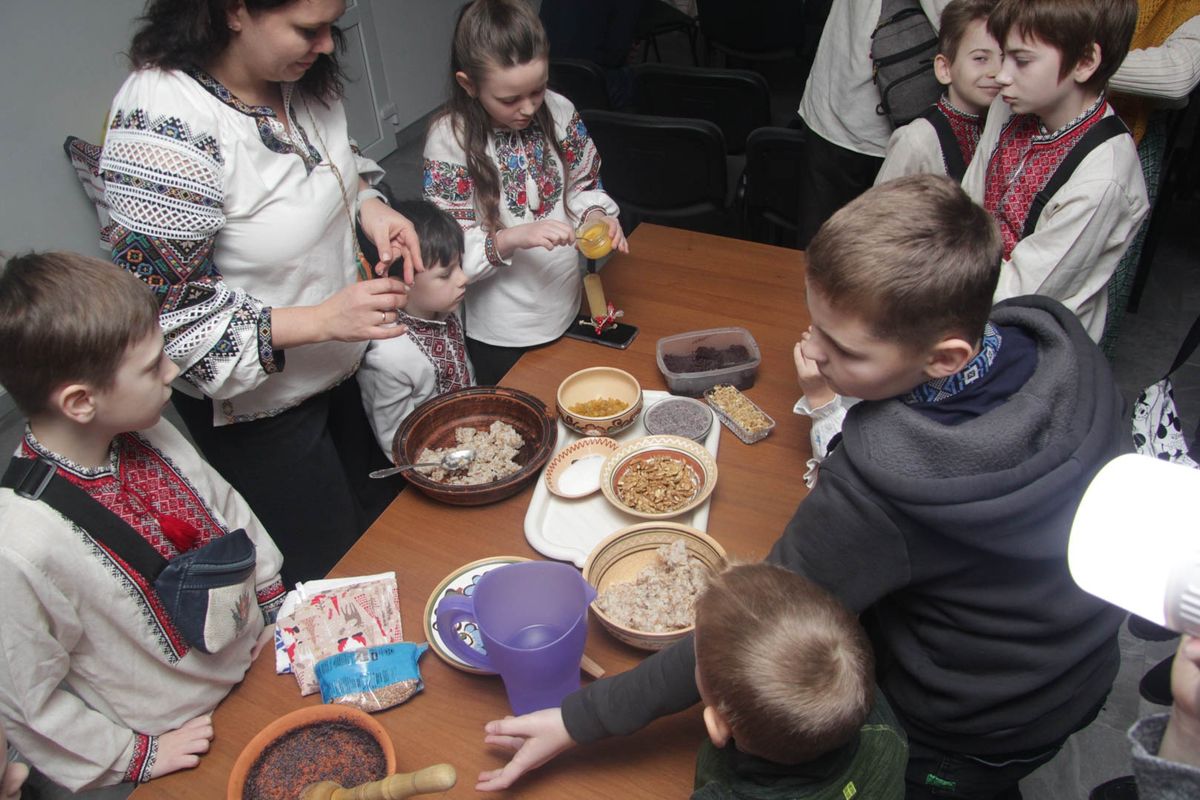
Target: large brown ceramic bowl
{"x":309,"y":715}
{"x":432,"y":424}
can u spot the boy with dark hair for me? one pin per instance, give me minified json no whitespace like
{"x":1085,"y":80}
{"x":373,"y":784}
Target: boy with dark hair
{"x":787,"y":678}
{"x":943,"y":514}
{"x":942,"y":141}
{"x":397,"y":375}
{"x":1058,"y":170}
{"x":97,"y":683}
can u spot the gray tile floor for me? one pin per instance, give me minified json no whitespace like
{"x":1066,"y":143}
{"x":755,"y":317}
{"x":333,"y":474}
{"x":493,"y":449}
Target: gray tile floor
{"x":1149,"y":339}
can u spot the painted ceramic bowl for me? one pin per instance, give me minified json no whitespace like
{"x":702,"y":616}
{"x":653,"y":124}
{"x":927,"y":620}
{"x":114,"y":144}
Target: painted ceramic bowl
{"x":594,"y":385}
{"x":575,"y":470}
{"x":627,"y":552}
{"x":433,"y":423}
{"x":622,"y":484}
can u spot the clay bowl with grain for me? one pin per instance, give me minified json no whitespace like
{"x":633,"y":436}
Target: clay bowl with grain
{"x":433,"y":423}
{"x":618,"y":475}
{"x":594,"y":385}
{"x":344,"y":768}
{"x":624,"y":554}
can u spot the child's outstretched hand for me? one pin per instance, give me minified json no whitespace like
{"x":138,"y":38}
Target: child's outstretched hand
{"x":547,"y":233}
{"x":812,"y":385}
{"x":535,"y":739}
{"x":181,"y":748}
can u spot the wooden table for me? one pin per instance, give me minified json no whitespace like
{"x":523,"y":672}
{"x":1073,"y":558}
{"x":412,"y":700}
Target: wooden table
{"x":673,"y":281}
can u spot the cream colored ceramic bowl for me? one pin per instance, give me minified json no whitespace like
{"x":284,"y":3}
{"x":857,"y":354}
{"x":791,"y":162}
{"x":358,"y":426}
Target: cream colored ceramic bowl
{"x":600,"y":447}
{"x":693,"y":456}
{"x":624,"y":554}
{"x":595,"y":383}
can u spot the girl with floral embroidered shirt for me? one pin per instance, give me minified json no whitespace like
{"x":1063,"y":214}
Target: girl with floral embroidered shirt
{"x":513,"y":163}
{"x":234,"y":189}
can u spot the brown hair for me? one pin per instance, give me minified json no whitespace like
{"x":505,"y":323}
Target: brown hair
{"x":66,"y":318}
{"x":1071,"y":27}
{"x":188,"y":34}
{"x":492,"y":34}
{"x":914,"y":258}
{"x":787,"y":666}
{"x":956,"y":17}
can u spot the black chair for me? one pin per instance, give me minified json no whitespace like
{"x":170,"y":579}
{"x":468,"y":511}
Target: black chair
{"x":737,"y":101}
{"x":769,"y":194}
{"x":663,"y":169}
{"x":763,"y":30}
{"x":658,"y":18}
{"x":582,"y":82}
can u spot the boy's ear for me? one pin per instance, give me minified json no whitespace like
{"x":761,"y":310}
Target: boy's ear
{"x":948,"y":356}
{"x":941,"y":69}
{"x":718,"y":728}
{"x":1087,"y":65}
{"x":233,"y":16}
{"x":75,"y":401}
{"x":466,"y":83}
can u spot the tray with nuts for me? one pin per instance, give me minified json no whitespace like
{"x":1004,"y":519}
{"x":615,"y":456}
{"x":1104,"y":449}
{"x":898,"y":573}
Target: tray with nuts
{"x":739,"y":413}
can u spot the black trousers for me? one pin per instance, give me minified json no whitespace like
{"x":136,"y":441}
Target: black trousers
{"x":303,"y":472}
{"x":830,"y":177}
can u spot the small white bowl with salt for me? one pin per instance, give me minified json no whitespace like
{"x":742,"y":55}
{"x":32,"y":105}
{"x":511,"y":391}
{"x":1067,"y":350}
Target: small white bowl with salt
{"x":575,"y":471}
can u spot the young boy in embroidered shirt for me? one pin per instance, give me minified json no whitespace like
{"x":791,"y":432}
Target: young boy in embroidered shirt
{"x":97,"y":686}
{"x":942,"y":516}
{"x":1058,"y":57}
{"x":966,"y":64}
{"x":397,"y":375}
{"x":787,"y":678}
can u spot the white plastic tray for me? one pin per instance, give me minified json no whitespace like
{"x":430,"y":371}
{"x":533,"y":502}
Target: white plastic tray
{"x":567,"y":530}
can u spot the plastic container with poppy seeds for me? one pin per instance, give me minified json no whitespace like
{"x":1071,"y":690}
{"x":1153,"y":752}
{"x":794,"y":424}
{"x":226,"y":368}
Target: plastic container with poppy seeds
{"x":696,"y":361}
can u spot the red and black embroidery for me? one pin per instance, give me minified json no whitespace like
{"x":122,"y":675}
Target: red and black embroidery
{"x":443,"y":344}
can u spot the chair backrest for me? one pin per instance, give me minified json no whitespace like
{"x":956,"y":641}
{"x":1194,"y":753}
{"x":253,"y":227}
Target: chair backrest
{"x":771,"y":195}
{"x":753,"y":30}
{"x":735,"y":100}
{"x":663,"y":167}
{"x":581,"y":82}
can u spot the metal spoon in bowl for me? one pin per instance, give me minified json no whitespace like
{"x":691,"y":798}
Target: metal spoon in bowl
{"x":455,"y":459}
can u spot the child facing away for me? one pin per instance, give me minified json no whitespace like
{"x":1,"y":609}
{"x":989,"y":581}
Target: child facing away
{"x":1064,"y":231}
{"x":787,"y":678}
{"x":943,"y":140}
{"x":513,"y":163}
{"x":97,"y":684}
{"x":943,"y":515}
{"x":430,"y":359}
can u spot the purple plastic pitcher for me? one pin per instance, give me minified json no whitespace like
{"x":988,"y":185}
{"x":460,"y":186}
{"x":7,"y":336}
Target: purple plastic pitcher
{"x":532,"y":617}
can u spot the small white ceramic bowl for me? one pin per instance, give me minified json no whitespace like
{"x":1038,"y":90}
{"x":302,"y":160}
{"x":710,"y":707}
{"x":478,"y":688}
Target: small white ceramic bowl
{"x":590,"y":447}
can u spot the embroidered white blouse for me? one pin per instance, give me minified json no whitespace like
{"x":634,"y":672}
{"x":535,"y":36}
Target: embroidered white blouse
{"x":226,"y":214}
{"x":90,"y":674}
{"x":534,"y":296}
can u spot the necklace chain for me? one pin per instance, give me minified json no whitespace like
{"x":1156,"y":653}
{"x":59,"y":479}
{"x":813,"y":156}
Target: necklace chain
{"x":364,"y":268}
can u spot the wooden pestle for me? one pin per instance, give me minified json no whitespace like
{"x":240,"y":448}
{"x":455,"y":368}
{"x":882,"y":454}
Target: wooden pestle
{"x":437,"y":778}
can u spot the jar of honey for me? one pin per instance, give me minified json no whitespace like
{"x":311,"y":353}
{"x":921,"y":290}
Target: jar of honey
{"x":593,"y":240}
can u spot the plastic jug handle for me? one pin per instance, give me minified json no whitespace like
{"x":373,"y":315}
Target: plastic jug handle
{"x":449,"y":611}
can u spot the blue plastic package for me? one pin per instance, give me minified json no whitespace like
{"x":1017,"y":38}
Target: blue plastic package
{"x":372,"y":678}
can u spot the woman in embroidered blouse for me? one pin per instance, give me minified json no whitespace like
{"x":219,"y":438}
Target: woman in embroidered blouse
{"x":233,"y":184}
{"x":513,"y":163}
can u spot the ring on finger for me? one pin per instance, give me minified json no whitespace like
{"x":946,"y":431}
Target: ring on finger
{"x":382,"y":317}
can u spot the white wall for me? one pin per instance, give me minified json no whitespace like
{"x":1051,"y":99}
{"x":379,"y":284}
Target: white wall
{"x":61,"y":66}
{"x":414,"y":37}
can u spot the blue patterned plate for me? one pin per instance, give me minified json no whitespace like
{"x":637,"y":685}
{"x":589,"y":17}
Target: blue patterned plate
{"x":461,"y":581}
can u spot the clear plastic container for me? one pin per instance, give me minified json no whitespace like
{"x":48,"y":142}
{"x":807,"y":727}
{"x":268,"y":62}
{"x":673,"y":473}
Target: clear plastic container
{"x":740,"y":414}
{"x":694,"y":384}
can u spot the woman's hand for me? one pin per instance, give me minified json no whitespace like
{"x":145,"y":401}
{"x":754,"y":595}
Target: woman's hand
{"x":358,"y":312}
{"x":615,"y":234}
{"x":812,"y":385}
{"x":181,"y":748}
{"x":547,"y":233}
{"x":393,"y":236}
{"x":535,"y":739}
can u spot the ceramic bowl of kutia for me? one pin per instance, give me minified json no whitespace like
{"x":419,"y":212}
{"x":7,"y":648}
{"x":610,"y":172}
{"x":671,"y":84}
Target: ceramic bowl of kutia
{"x":599,"y":401}
{"x":434,"y":423}
{"x":625,"y":554}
